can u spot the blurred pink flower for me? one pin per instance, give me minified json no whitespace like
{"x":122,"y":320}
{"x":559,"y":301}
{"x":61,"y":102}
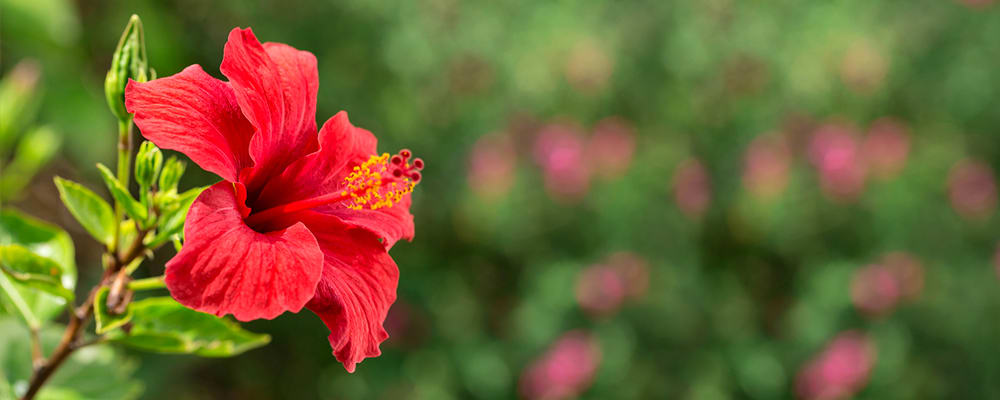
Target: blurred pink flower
{"x":766,"y":166}
{"x":840,"y":371}
{"x":611,"y":147}
{"x":559,"y":150}
{"x":692,"y":188}
{"x":908,"y":273}
{"x":875,"y":290}
{"x":834,"y":151}
{"x":492,"y":163}
{"x":566,"y":369}
{"x":972,"y":189}
{"x":600,"y":290}
{"x":886,"y":147}
{"x":634,"y":271}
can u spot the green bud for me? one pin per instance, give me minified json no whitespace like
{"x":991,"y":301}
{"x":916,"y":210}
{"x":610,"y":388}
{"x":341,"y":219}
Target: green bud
{"x":128,"y":61}
{"x":171,"y":175}
{"x":148,"y":162}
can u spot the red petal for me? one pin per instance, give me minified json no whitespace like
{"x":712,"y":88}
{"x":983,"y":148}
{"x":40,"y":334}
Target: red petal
{"x":195,"y":114}
{"x":342,"y":146}
{"x":391,"y":224}
{"x":276,"y":87}
{"x":357,"y":288}
{"x":227,"y":268}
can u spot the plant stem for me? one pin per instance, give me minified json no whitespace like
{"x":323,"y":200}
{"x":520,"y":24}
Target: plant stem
{"x":124,"y":151}
{"x":124,"y":167}
{"x":79,"y":318}
{"x":37,"y":358}
{"x":155,"y":282}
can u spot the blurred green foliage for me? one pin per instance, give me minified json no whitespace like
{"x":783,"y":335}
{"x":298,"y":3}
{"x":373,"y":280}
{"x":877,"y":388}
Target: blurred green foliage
{"x":744,"y":290}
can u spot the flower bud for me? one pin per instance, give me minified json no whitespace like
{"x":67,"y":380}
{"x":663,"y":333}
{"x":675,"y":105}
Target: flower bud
{"x":148,"y":162}
{"x":128,"y":61}
{"x":171,"y":175}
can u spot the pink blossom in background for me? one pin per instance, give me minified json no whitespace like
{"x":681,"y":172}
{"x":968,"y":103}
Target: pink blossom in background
{"x":886,"y":148}
{"x":836,"y":154}
{"x":875,"y":290}
{"x":840,"y":371}
{"x":766,"y":166}
{"x":634,"y":270}
{"x":559,"y":150}
{"x":492,"y":164}
{"x":972,"y":189}
{"x":566,"y":370}
{"x":908,"y":272}
{"x":611,"y":147}
{"x":692,"y":188}
{"x":600,"y":290}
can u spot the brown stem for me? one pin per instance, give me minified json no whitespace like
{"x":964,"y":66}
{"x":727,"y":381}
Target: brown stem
{"x":37,"y":358}
{"x":79,"y":318}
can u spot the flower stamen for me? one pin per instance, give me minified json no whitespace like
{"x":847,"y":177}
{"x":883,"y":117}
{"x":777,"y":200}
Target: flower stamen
{"x":379,"y":182}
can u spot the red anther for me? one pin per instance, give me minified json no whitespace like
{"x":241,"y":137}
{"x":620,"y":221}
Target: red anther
{"x":405,"y":153}
{"x":397,"y":172}
{"x":418,"y":164}
{"x":396,"y":159}
{"x":415,"y":176}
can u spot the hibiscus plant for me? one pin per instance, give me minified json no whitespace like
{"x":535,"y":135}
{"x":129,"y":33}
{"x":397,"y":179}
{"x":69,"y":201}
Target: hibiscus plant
{"x":302,"y":218}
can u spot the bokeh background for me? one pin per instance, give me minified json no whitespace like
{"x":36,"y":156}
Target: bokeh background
{"x":625,"y":199}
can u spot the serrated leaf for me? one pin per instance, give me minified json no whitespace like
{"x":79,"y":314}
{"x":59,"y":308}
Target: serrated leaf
{"x":106,"y":321}
{"x":132,"y":207}
{"x":93,"y":372}
{"x":173,"y":216}
{"x":163,"y":325}
{"x":44,"y":240}
{"x":89,"y":209}
{"x":32,"y":270}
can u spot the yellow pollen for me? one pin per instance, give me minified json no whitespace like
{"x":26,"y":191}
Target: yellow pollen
{"x":372,"y":186}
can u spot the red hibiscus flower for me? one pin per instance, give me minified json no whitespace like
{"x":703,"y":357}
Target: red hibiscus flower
{"x":302,"y":218}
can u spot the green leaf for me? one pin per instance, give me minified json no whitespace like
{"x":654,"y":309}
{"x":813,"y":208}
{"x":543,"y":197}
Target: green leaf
{"x":132,"y":207}
{"x":35,"y":271}
{"x":163,"y":325}
{"x":44,"y":240}
{"x":106,"y":321}
{"x":173,"y":216}
{"x":93,"y":372}
{"x":90,"y":210}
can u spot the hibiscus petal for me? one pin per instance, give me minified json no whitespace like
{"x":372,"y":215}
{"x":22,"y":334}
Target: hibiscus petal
{"x":276,"y":87}
{"x":357,"y":288}
{"x":227,"y":268}
{"x":391,"y":223}
{"x":195,"y":114}
{"x":342,"y":147}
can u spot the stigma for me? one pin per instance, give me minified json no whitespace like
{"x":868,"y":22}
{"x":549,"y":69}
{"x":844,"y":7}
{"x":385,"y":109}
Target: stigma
{"x":381,"y":181}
